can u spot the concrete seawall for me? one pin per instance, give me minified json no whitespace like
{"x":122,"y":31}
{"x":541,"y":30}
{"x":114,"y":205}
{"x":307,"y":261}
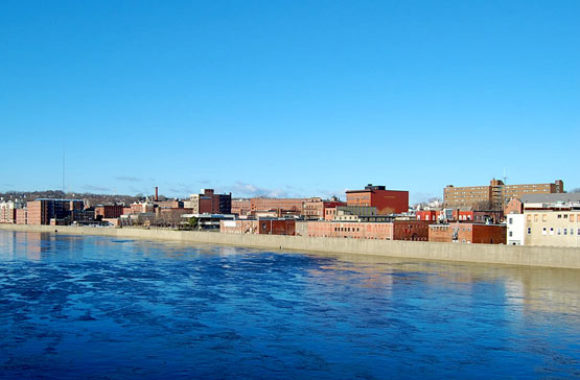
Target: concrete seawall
{"x":557,"y":257}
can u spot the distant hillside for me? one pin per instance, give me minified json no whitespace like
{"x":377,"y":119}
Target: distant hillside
{"x":93,"y":199}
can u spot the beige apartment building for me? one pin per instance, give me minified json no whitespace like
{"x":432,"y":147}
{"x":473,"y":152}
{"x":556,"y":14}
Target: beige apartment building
{"x":557,"y":228}
{"x":496,"y":195}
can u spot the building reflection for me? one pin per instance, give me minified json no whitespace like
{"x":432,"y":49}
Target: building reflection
{"x":526,"y":289}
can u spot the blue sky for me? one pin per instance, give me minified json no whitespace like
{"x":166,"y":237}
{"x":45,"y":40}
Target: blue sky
{"x":288,"y":98}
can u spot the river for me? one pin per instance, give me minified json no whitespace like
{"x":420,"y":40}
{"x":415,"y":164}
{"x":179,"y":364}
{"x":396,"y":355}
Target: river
{"x":100,"y":307}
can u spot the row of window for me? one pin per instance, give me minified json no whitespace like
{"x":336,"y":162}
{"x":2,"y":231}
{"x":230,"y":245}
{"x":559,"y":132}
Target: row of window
{"x":570,"y":217}
{"x":559,"y":231}
{"x":346,"y":229}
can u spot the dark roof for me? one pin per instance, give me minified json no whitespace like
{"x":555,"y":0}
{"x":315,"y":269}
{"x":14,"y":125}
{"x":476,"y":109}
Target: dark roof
{"x":550,"y":198}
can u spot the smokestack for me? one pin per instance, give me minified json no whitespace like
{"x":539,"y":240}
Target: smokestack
{"x":156,"y":194}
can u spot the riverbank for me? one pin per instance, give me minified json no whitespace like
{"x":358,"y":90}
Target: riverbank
{"x":555,"y":257}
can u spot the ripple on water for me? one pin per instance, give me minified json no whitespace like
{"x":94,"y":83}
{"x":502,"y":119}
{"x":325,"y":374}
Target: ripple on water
{"x":118,"y":308}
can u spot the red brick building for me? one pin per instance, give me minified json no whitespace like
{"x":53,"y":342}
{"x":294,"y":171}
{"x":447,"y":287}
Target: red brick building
{"x":170,"y":203}
{"x":315,"y":208}
{"x":283,"y":204}
{"x":396,"y":230}
{"x":386,"y":201}
{"x":514,"y":206}
{"x":259,"y":227}
{"x":41,"y":211}
{"x":429,"y":215}
{"x":21,"y":216}
{"x":475,"y":233}
{"x":241,"y":206}
{"x":108,"y":211}
{"x":208,"y":202}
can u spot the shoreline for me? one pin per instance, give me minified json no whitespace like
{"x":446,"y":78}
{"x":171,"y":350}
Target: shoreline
{"x":551,"y":257}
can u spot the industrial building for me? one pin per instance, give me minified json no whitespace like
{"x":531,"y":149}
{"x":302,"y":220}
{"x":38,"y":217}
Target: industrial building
{"x":496,"y":195}
{"x":393,"y":230}
{"x":469,"y":233}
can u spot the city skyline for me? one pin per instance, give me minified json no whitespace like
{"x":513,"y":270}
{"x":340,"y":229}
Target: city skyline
{"x":288,"y":99}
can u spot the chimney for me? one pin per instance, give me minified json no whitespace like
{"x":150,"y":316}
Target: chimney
{"x":156,"y":194}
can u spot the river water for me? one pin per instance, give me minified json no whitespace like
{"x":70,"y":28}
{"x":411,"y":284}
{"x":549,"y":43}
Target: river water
{"x":100,"y":307}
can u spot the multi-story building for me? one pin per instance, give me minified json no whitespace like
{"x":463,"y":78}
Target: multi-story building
{"x":21,"y":216}
{"x":108,"y":211}
{"x":139,"y":208}
{"x":468,"y":233}
{"x":282,"y":205}
{"x":547,"y":220}
{"x":496,"y":195}
{"x":315,"y":208}
{"x":42,"y":210}
{"x":386,"y":201}
{"x":8,"y":211}
{"x":552,"y":227}
{"x":241,"y":206}
{"x":208,"y":202}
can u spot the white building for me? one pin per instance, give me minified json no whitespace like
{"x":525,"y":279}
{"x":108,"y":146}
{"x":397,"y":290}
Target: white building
{"x":516,"y":229}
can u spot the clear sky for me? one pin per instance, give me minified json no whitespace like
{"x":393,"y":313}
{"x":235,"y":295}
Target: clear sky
{"x":288,"y":98}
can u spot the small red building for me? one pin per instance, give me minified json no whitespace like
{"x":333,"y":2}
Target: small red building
{"x":429,"y":215}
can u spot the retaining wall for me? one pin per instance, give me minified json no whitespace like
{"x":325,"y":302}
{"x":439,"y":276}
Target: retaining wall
{"x":558,"y":257}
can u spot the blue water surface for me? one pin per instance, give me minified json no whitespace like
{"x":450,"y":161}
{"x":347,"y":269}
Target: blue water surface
{"x":100,"y":307}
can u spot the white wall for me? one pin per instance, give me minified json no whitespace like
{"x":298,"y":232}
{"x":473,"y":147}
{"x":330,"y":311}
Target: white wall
{"x":516,"y":229}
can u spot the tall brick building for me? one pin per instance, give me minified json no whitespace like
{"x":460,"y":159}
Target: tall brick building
{"x":41,"y":211}
{"x":496,"y":195}
{"x":386,"y":201}
{"x":208,"y":202}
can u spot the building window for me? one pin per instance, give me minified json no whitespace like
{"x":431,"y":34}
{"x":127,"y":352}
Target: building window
{"x":565,"y":216}
{"x":551,"y":230}
{"x":511,"y":220}
{"x":529,"y":230}
{"x":544,"y":231}
{"x":565,"y":231}
{"x":559,"y":231}
{"x":511,"y":234}
{"x":559,"y":216}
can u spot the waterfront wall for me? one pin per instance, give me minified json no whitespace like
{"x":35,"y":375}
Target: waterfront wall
{"x":558,"y":257}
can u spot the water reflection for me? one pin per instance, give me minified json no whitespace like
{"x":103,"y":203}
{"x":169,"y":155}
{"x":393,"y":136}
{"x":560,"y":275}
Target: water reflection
{"x":106,"y":307}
